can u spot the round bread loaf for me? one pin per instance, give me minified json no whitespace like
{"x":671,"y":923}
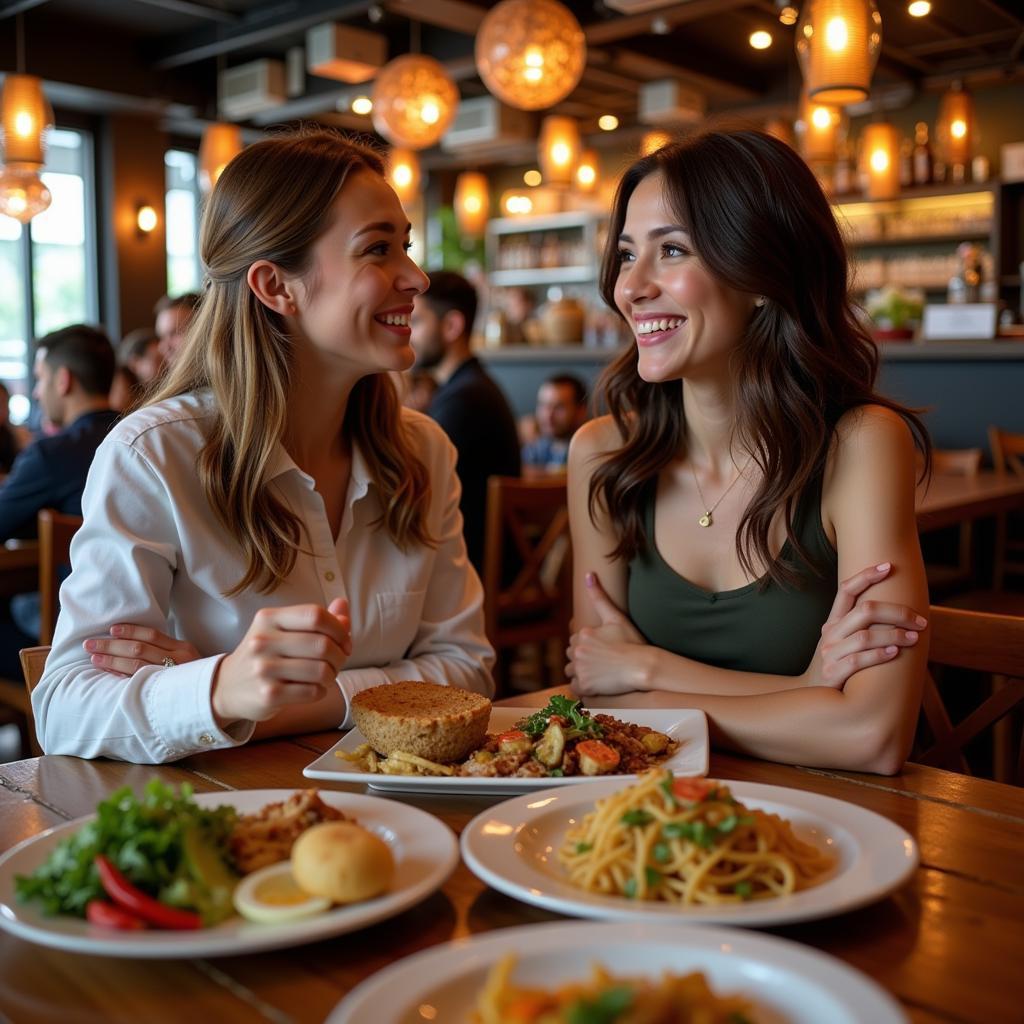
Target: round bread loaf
{"x":440,"y":723}
{"x":342,"y":862}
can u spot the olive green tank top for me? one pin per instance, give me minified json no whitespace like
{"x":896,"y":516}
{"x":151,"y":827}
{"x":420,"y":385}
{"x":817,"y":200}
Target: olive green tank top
{"x":773,"y":630}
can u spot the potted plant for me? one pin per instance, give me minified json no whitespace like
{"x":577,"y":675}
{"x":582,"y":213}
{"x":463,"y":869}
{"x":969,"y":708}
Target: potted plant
{"x":896,"y":312}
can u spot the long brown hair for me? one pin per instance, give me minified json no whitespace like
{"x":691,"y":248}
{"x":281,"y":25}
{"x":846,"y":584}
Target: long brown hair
{"x":760,"y":224}
{"x":273,"y":202}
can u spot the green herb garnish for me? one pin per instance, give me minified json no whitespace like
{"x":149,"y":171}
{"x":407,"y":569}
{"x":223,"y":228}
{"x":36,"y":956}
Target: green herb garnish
{"x":584,"y":847}
{"x":744,"y":889}
{"x":606,"y":1008}
{"x":571,"y":710}
{"x":637,"y":818}
{"x":665,"y":786}
{"x":661,"y":852}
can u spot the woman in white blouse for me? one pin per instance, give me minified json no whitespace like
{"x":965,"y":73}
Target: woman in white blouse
{"x":272,"y":532}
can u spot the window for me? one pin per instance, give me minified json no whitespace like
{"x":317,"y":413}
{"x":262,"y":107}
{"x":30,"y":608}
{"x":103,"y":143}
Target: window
{"x":59,"y":245}
{"x":182,"y":219}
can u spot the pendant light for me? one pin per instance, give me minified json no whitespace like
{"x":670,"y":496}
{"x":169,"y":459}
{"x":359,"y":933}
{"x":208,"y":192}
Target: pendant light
{"x":837,"y":43}
{"x":414,"y":101}
{"x":530,"y":53}
{"x":880,"y":156}
{"x":588,"y":172}
{"x":404,"y":174}
{"x":955,"y":128}
{"x":472,"y":202}
{"x":559,"y":149}
{"x":818,"y":128}
{"x":221,"y":143}
{"x":653,"y":141}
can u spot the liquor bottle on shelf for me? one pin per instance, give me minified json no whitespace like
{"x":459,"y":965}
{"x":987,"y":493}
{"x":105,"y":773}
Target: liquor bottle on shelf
{"x":906,"y":163}
{"x":922,"y":155}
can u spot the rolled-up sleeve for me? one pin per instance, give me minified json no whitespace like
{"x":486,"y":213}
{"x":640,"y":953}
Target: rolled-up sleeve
{"x":123,"y":560}
{"x":450,"y":645}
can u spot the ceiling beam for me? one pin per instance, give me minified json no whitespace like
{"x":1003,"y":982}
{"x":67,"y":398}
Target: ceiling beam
{"x":1003,"y":35}
{"x":647,"y":69}
{"x":254,"y":28}
{"x":451,"y":14}
{"x":603,"y":32}
{"x":193,"y":9}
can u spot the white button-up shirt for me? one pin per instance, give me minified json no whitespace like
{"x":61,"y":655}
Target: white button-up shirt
{"x":150,"y":552}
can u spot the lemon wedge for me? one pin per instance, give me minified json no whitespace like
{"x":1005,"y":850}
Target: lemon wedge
{"x":272,"y":896}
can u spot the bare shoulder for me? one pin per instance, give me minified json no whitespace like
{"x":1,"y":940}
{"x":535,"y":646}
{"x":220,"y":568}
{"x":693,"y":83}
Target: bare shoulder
{"x":596,"y":437}
{"x":870,"y":434}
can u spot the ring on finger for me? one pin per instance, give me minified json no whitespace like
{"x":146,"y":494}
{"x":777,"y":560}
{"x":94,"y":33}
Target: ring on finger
{"x":168,"y":662}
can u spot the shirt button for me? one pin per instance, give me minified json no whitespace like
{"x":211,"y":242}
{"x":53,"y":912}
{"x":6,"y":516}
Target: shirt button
{"x":329,"y":576}
{"x":206,"y":739}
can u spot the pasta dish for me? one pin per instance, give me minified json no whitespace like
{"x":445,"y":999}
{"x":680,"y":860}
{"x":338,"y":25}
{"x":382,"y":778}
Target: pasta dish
{"x":605,"y":999}
{"x":687,"y":841}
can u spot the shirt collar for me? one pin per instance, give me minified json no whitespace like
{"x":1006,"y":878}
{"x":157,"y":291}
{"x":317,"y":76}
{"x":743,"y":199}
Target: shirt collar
{"x":359,"y":482}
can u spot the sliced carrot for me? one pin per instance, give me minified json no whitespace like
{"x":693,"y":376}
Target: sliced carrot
{"x":693,"y":789}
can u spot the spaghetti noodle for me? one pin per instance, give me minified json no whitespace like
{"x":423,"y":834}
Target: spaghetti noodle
{"x":671,"y":999}
{"x":687,"y":841}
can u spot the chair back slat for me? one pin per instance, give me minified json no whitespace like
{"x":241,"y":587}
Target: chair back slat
{"x":55,"y":533}
{"x":33,"y":661}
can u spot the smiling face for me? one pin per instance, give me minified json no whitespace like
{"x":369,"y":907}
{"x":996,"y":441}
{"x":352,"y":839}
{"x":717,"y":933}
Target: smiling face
{"x":685,"y":321}
{"x":356,"y":300}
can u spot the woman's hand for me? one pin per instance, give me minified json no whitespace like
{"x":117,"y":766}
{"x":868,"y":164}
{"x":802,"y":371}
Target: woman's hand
{"x":288,"y":656}
{"x":860,"y":633}
{"x":609,"y":658}
{"x":129,"y":648}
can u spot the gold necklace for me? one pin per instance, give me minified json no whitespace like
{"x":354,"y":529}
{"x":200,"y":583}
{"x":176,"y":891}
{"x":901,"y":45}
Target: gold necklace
{"x":708,"y":518}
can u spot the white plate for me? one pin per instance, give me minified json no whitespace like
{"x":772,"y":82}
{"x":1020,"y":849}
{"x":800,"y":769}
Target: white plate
{"x":787,"y":982}
{"x":689,"y":728}
{"x":424,"y":849}
{"x":513,"y":848}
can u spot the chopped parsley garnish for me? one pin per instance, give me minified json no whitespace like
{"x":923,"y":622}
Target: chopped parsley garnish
{"x":661,"y":852}
{"x":637,"y":817}
{"x":570,"y":709}
{"x":584,"y":847}
{"x":744,"y":889}
{"x":606,"y":1008}
{"x":665,"y":786}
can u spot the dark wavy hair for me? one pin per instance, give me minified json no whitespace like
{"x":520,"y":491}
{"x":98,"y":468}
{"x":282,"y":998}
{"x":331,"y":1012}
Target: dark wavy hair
{"x":759,"y":223}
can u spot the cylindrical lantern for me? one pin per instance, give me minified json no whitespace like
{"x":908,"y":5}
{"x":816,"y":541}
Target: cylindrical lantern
{"x":404,"y":174}
{"x":530,"y":53}
{"x":955,"y":128}
{"x":819,"y":127}
{"x":222,"y":142}
{"x":838,"y":42}
{"x":587,"y":171}
{"x":558,"y":150}
{"x":414,"y":101}
{"x":653,"y":141}
{"x":880,"y":160}
{"x":26,"y":116}
{"x":472,"y":201}
{"x":22,"y":192}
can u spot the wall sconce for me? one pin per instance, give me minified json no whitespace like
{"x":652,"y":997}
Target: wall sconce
{"x":837,"y":42}
{"x":818,"y":127}
{"x":145,"y":219}
{"x":414,"y":101}
{"x":559,"y":149}
{"x":25,"y":116}
{"x":472,"y":203}
{"x":404,"y":174}
{"x":880,"y":156}
{"x":955,"y":127}
{"x":530,"y":53}
{"x":222,"y":142}
{"x":588,"y":171}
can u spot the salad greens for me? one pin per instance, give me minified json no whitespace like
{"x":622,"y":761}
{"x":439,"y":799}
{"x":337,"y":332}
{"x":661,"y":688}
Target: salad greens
{"x":580,"y":722}
{"x":163,"y":842}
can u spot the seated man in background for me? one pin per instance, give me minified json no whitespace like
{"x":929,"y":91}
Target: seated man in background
{"x":468,"y":404}
{"x":139,"y":362}
{"x":74,"y":368}
{"x":172,"y":319}
{"x":561,"y":411}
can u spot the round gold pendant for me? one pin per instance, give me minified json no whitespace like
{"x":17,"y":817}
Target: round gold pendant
{"x":705,"y":520}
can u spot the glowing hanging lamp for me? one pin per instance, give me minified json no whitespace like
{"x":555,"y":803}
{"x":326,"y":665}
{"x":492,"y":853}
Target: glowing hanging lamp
{"x":414,"y":101}
{"x":25,"y":117}
{"x":404,"y":174}
{"x":221,"y":143}
{"x":472,"y":203}
{"x":653,"y":141}
{"x":588,"y":171}
{"x":559,"y":149}
{"x":880,"y":156}
{"x":530,"y":53}
{"x":955,"y":128}
{"x":818,"y":128}
{"x":837,"y":42}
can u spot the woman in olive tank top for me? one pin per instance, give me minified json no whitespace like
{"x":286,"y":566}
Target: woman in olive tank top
{"x":746,"y":467}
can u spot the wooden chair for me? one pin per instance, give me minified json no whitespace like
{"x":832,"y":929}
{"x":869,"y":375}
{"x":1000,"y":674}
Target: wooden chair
{"x":531,"y":601}
{"x":980,"y":642}
{"x":55,"y":533}
{"x":943,"y":578}
{"x":1007,"y":457}
{"x":19,"y":570}
{"x":33,"y":661}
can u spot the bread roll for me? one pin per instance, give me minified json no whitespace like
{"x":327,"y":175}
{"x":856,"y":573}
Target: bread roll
{"x":342,"y":862}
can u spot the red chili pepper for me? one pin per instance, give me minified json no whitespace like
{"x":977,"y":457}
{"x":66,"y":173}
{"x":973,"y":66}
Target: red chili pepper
{"x":126,"y":895}
{"x":110,"y":915}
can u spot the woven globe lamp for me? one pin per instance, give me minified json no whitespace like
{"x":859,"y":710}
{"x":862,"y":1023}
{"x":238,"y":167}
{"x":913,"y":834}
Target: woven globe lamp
{"x":558,"y":151}
{"x":404,"y":174}
{"x":530,"y":53}
{"x":414,"y":101}
{"x":837,"y":43}
{"x":25,"y":117}
{"x":818,"y":127}
{"x":472,"y":203}
{"x":955,"y":128}
{"x":221,"y":143}
{"x":880,"y":159}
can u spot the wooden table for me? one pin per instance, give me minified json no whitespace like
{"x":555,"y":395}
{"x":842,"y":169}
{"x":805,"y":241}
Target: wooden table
{"x":950,"y":945}
{"x":950,"y":499}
